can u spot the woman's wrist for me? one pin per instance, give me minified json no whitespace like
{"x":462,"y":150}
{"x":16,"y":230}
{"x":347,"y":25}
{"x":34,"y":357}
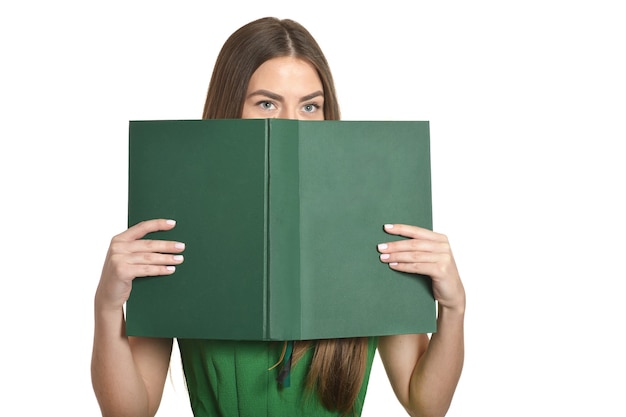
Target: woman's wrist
{"x":454,"y":311}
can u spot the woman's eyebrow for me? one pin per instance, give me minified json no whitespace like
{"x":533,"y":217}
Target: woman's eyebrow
{"x":312,"y":95}
{"x":268,"y":94}
{"x":278,"y":97}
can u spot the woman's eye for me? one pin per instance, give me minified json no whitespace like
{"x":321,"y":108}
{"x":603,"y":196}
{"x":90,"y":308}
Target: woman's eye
{"x":310,"y":108}
{"x":266,"y":105}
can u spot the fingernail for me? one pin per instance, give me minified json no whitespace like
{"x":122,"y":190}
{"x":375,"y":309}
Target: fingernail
{"x":170,"y":221}
{"x":393,"y":263}
{"x":389,"y":226}
{"x":179,"y":245}
{"x":382,"y":246}
{"x":171,"y":268}
{"x":384,"y":256}
{"x":178,"y":257}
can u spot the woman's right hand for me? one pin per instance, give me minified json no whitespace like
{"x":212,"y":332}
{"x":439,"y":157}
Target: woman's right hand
{"x":129,"y":256}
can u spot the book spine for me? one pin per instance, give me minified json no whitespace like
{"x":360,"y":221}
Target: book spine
{"x":283,"y":225}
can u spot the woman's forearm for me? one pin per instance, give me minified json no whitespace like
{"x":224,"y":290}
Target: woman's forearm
{"x":128,"y":373}
{"x":117,"y":383}
{"x":438,"y":370}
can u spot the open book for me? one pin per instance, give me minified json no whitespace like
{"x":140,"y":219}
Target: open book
{"x":281,"y":219}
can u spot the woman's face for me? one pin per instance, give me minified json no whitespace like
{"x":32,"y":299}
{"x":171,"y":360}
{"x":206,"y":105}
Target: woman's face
{"x":285,"y":88}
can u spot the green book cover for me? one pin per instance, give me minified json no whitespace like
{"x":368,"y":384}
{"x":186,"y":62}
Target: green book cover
{"x":281,"y":219}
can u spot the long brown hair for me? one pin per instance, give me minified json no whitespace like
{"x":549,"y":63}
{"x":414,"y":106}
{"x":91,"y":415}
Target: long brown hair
{"x":338,"y":365}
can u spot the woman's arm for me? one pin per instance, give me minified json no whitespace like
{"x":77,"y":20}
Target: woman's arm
{"x":128,"y":373}
{"x":424,"y":373}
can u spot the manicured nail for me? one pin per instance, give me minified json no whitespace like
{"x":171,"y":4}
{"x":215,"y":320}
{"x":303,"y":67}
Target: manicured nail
{"x":178,"y":258}
{"x":384,"y":256}
{"x":393,"y":263}
{"x":382,"y":246}
{"x":171,"y":268}
{"x":389,"y":226}
{"x":170,"y":221}
{"x":179,"y":245}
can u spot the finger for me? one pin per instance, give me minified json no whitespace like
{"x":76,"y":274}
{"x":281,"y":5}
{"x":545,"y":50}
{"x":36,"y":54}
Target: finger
{"x":413,"y":245}
{"x":410,"y":257}
{"x":153,"y":259}
{"x":147,"y":245}
{"x":426,"y":268}
{"x":130,"y":266}
{"x":141,"y":229}
{"x":413,"y":232}
{"x":138,"y":271}
{"x":437,"y":266}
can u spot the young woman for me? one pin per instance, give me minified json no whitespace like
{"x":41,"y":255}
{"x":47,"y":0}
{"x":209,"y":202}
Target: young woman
{"x":274,"y":68}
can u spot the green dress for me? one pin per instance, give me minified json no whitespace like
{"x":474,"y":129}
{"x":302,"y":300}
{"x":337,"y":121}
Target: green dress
{"x":233,"y":378}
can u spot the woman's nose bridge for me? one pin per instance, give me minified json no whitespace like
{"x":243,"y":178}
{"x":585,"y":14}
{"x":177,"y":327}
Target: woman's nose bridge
{"x":288,"y":112}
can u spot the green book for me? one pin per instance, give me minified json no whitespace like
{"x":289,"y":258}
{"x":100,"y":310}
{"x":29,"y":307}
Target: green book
{"x":281,"y":219}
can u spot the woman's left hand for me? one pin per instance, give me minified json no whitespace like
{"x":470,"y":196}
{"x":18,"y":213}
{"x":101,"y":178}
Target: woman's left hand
{"x":424,"y":371}
{"x":427,"y":253}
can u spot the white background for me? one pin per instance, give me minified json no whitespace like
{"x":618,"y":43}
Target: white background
{"x":527,"y":108}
